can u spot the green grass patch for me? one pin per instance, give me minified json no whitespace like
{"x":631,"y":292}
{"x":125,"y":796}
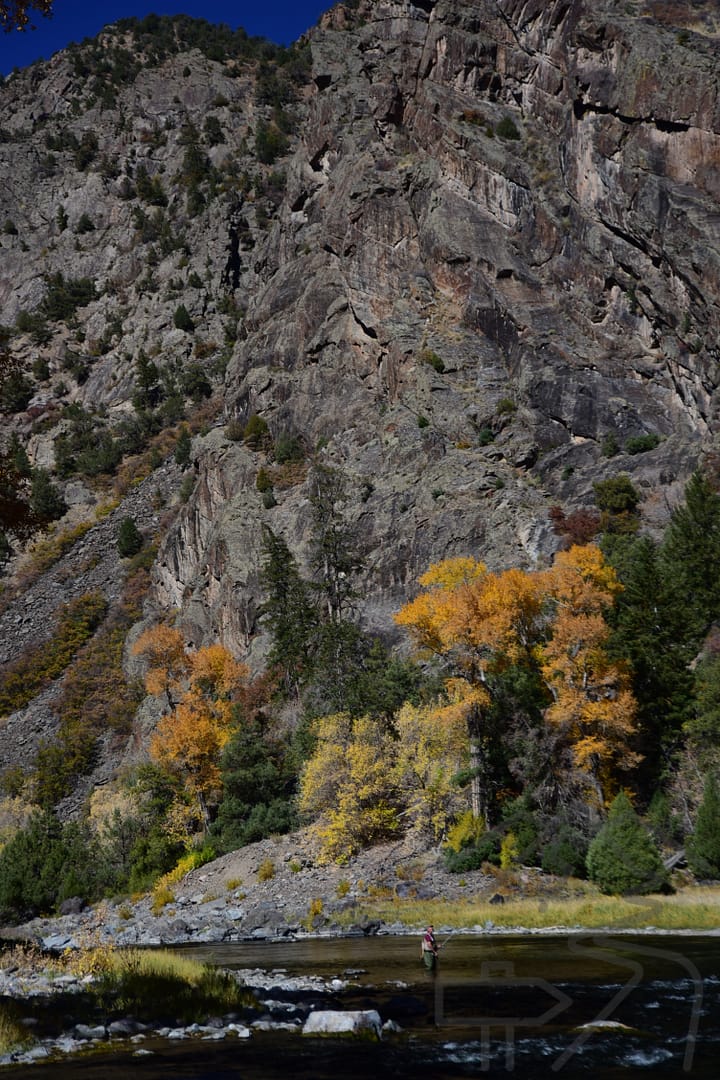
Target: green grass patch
{"x":156,"y":984}
{"x":13,"y":1034}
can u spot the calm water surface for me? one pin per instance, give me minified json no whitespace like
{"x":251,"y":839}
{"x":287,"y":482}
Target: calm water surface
{"x":498,"y":1006}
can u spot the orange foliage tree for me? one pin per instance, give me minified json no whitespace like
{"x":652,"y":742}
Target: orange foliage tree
{"x":163,"y":649}
{"x":481,"y":623}
{"x":189,"y":740}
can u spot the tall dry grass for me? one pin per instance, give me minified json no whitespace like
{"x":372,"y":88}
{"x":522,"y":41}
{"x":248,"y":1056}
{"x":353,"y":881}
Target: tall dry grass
{"x":688,"y":909}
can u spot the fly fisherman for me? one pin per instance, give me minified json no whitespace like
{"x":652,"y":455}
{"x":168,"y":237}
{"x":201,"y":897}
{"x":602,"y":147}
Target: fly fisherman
{"x":429,"y":949}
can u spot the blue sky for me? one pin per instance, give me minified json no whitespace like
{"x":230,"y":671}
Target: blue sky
{"x":281,"y":21}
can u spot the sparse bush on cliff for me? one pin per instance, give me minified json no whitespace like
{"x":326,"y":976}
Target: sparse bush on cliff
{"x":256,"y":433}
{"x":506,"y":128}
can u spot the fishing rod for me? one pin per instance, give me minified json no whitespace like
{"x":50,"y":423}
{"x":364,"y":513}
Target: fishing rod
{"x":444,"y":943}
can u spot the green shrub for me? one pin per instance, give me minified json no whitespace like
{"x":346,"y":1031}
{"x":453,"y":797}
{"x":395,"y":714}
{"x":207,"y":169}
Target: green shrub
{"x":270,"y":142}
{"x":565,"y":854}
{"x":430,"y":357}
{"x":149,"y":188}
{"x":182,"y":319}
{"x":256,"y":432}
{"x":288,"y":448}
{"x":623,"y":858}
{"x":183,"y":447}
{"x":15,"y":391}
{"x":485,"y":849}
{"x":35,"y":324}
{"x":703,"y":847}
{"x":235,"y":430}
{"x":85,"y":225}
{"x":616,"y":495}
{"x":187,"y":487}
{"x":506,"y":128}
{"x":486,"y":436}
{"x":195,"y":383}
{"x":263,"y":482}
{"x":640,"y":444}
{"x":46,"y":500}
{"x":610,"y":446}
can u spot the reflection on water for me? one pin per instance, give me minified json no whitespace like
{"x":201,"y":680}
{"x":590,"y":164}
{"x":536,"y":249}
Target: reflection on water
{"x":499,"y":1005}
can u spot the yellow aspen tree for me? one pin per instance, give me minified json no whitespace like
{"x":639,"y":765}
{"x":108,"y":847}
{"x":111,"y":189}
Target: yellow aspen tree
{"x":431,"y":750}
{"x":348,"y":785}
{"x":593,"y":708}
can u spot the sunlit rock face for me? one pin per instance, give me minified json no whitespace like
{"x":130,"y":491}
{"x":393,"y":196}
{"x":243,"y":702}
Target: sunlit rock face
{"x":490,"y":252}
{"x":525,"y":191}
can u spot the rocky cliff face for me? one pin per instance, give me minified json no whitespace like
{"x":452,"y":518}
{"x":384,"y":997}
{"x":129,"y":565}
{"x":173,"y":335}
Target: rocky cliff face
{"x":494,"y":255}
{"x":523,"y":190}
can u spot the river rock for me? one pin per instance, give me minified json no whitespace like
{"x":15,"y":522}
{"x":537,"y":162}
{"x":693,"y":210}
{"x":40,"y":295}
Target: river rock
{"x":363,"y":1022}
{"x":87,"y":1031}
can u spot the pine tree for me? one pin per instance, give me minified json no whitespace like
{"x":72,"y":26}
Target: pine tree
{"x":46,"y":501}
{"x":258,"y":789}
{"x":650,"y":631}
{"x":623,"y":857}
{"x":703,"y":847}
{"x":183,"y":447}
{"x":691,"y":554}
{"x":182,"y":319}
{"x":129,"y":538}
{"x":289,"y":613}
{"x":335,"y":559}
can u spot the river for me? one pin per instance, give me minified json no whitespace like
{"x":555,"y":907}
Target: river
{"x":499,"y":1004}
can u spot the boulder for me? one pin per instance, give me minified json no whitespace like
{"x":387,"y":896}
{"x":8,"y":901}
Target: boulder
{"x":364,"y":1023}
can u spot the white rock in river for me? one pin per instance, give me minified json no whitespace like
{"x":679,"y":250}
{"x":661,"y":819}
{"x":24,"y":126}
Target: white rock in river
{"x":334,"y":1022}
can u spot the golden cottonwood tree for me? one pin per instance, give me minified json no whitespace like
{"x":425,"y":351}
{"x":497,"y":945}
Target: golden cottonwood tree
{"x":479,"y":623}
{"x":593,"y":708}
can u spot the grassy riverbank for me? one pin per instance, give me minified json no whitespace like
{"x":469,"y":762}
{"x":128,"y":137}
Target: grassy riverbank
{"x":688,"y":909}
{"x":148,"y":984}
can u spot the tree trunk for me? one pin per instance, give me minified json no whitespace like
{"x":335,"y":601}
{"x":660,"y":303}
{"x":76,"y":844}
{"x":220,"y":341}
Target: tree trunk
{"x":205,"y":812}
{"x":476,"y":800}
